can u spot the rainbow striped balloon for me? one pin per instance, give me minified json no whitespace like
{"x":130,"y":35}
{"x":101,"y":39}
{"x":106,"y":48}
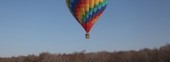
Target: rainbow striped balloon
{"x":87,"y":12}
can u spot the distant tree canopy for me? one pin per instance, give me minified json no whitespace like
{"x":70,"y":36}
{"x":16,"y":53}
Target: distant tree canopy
{"x":161,"y":54}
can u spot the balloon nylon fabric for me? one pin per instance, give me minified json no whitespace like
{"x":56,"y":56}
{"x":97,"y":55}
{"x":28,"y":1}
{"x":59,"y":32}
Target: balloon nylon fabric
{"x":86,"y":12}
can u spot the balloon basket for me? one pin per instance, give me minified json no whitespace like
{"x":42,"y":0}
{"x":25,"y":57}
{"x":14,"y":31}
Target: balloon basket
{"x":87,"y":36}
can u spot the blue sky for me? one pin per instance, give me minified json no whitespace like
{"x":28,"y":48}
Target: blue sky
{"x":35,"y":26}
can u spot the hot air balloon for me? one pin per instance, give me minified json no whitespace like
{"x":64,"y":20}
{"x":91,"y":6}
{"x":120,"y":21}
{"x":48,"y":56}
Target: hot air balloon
{"x":86,"y":12}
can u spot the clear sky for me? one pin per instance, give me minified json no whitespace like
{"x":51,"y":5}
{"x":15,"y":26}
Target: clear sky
{"x":35,"y":26}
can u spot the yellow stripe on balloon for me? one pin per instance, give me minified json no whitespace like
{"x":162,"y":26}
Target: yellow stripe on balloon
{"x":80,"y":15}
{"x":82,"y":10}
{"x":101,"y":0}
{"x":92,"y":3}
{"x":96,"y":2}
{"x":87,"y":6}
{"x":79,"y":19}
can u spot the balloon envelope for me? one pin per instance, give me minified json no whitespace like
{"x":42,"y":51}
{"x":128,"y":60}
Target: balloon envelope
{"x":86,"y":12}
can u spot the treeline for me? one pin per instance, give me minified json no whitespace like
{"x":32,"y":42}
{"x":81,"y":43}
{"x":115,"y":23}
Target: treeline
{"x":161,"y":54}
